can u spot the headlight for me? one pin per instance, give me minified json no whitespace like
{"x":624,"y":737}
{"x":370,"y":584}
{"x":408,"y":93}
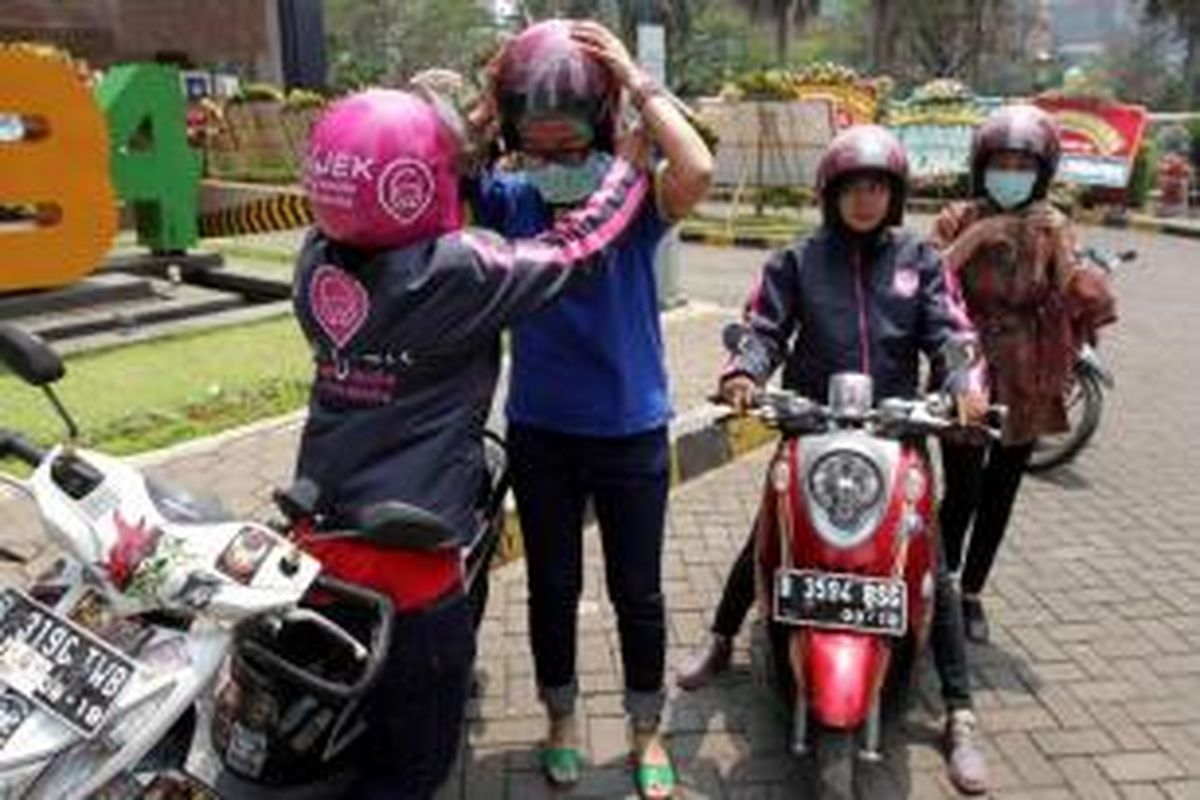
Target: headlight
{"x":847,"y":486}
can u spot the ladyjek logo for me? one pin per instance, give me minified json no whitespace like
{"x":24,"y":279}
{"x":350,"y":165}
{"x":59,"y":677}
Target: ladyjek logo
{"x":406,"y":189}
{"x":339,"y":303}
{"x":906,"y":281}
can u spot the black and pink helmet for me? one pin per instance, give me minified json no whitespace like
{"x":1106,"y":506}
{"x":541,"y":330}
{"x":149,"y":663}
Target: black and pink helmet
{"x":863,"y":149}
{"x":544,"y":72}
{"x":1019,"y":128}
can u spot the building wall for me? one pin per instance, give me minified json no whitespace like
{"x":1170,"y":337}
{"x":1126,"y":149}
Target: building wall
{"x":242,"y":34}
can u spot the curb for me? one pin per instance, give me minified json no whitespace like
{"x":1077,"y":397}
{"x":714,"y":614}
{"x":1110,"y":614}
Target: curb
{"x":751,"y":242}
{"x":1147,"y":224}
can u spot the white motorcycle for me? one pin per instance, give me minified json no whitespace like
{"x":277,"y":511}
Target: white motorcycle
{"x":104,"y":657}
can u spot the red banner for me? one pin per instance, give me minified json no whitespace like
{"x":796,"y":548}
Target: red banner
{"x":1100,"y":139}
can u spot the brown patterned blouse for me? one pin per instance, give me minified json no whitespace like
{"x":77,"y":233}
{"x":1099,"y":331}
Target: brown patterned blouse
{"x":1014,"y":295}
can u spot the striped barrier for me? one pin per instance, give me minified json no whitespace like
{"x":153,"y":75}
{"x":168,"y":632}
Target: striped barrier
{"x":279,"y":212}
{"x":702,"y":440}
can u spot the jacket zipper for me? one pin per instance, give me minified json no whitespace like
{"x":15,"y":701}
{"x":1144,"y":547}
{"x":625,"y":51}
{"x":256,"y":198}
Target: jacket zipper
{"x":864,"y":342}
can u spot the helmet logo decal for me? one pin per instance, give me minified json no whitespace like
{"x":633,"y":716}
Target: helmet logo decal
{"x":406,"y":189}
{"x":339,"y":303}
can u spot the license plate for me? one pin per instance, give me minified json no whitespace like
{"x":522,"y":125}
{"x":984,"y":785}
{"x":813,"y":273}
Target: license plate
{"x":847,"y":602}
{"x":62,"y":667}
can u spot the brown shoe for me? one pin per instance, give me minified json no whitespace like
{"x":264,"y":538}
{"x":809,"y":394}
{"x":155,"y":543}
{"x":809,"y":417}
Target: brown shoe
{"x":965,"y":762}
{"x":704,"y":665}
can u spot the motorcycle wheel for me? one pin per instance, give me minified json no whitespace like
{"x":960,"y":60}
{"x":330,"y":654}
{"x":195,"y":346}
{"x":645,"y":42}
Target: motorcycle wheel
{"x":898,"y":686}
{"x":836,"y":752}
{"x":1085,"y":402}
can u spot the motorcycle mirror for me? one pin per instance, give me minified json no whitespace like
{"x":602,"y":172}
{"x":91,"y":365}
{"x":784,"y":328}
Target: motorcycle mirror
{"x":36,"y":363}
{"x":960,"y":353}
{"x":26,"y":354}
{"x":733,"y":335}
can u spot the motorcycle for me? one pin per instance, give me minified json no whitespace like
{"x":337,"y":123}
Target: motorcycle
{"x":1085,"y":392}
{"x":846,"y":542}
{"x":103,"y":658}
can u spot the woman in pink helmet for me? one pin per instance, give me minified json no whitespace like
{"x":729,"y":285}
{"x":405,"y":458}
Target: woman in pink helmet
{"x":588,"y":402}
{"x":403,"y":309}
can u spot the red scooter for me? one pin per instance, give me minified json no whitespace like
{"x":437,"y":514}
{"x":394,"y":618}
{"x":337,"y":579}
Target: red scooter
{"x":846,"y":545}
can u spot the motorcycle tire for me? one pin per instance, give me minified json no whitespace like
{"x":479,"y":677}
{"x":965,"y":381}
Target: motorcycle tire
{"x":836,"y":753}
{"x":1055,"y":451}
{"x":901,"y":677}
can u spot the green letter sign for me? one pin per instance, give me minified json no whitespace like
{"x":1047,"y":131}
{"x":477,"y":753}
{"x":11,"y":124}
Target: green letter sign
{"x":152,"y":166}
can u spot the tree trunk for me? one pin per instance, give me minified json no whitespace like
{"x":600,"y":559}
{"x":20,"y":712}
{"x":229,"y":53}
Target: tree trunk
{"x":783,"y":24}
{"x":1191,"y":64}
{"x":885,"y":25}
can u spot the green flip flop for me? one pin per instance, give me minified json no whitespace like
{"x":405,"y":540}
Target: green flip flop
{"x":560,"y":765}
{"x":654,"y":781}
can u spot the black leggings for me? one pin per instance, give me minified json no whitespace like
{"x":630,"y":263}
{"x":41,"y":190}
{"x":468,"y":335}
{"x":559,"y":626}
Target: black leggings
{"x":985,"y":493}
{"x":627,"y":479}
{"x":415,"y":711}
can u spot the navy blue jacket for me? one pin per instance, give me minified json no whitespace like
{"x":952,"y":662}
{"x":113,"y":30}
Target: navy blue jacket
{"x":407,"y":350}
{"x":826,"y":305}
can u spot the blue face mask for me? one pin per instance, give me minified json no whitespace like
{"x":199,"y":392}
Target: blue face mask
{"x":569,"y":184}
{"x":1009,"y":188}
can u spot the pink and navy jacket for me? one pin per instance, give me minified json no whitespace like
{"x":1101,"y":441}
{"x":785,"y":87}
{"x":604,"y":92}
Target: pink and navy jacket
{"x":407,"y":350}
{"x":826,"y":305}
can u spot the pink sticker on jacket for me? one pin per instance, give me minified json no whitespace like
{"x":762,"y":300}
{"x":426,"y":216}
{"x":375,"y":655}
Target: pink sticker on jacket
{"x":906,"y":281}
{"x":339,"y":303}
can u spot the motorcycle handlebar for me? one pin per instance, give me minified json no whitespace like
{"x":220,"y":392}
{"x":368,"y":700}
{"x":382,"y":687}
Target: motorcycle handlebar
{"x":935,"y":414}
{"x":15,"y":444}
{"x":1107,"y":261}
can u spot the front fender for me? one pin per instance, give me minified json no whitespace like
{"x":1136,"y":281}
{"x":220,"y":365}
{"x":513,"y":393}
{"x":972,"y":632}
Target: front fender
{"x":842,"y":673}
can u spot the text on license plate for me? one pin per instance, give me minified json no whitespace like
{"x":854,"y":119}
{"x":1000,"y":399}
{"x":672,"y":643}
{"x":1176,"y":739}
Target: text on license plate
{"x":62,"y":667}
{"x":851,"y":602}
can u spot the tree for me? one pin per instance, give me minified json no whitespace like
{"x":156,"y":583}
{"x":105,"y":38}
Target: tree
{"x":1143,"y":66}
{"x":387,"y":41}
{"x":721,"y":42}
{"x":1186,"y":16}
{"x":981,"y":42}
{"x":883,"y":32}
{"x":787,"y":16}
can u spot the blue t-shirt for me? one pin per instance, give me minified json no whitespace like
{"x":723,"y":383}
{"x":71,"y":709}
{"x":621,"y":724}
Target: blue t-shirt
{"x":591,"y":362}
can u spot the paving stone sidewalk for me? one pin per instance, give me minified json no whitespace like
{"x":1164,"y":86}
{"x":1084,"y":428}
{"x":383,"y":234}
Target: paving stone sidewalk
{"x":1091,"y":688}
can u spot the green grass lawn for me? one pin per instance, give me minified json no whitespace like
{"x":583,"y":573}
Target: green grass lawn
{"x":143,"y":396}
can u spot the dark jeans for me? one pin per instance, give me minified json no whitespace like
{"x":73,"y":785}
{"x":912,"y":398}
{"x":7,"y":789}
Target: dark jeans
{"x":983,"y":493}
{"x":947,"y":639}
{"x":415,"y":712}
{"x":627,"y":479}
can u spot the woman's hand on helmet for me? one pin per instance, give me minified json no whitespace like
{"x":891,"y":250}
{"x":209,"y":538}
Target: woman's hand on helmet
{"x":996,"y":229}
{"x":1044,"y":216}
{"x":604,"y":45}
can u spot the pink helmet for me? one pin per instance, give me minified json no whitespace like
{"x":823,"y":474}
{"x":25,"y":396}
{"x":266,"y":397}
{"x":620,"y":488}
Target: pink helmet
{"x":863,"y":148}
{"x":1018,"y":128}
{"x":545,"y":71}
{"x":381,"y":170}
